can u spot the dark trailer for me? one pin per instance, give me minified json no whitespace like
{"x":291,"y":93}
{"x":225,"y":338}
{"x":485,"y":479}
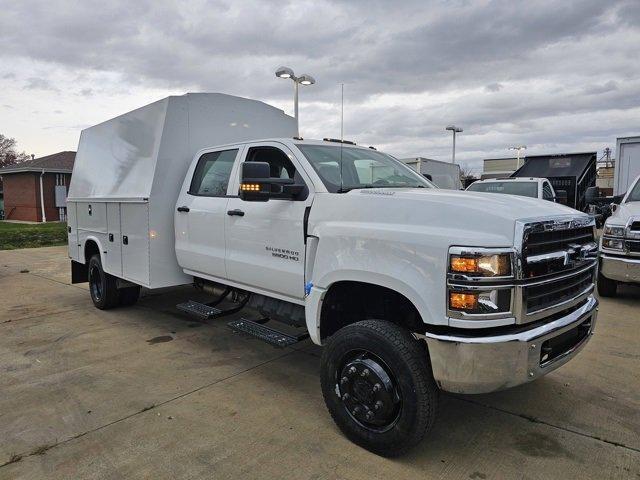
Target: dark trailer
{"x":571,"y":172}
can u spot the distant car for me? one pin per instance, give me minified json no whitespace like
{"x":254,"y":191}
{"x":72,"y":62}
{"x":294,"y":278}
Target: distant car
{"x":524,"y":187}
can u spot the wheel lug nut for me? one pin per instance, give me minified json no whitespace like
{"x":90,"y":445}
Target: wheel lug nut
{"x":343,"y":380}
{"x":377,"y":387}
{"x":370,"y":415}
{"x":356,"y":410}
{"x":346,"y":397}
{"x":365,"y":372}
{"x":378,"y":405}
{"x":352,"y":370}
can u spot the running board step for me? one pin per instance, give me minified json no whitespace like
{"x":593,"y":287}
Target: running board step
{"x":266,"y":334}
{"x":201,"y":311}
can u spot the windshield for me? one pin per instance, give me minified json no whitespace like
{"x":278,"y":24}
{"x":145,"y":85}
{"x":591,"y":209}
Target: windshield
{"x":524,"y":189}
{"x":634,"y":196}
{"x":346,"y":168}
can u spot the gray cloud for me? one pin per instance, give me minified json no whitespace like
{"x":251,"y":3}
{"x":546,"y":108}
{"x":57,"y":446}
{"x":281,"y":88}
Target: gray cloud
{"x":36,"y":83}
{"x":494,"y":87}
{"x":541,"y":72}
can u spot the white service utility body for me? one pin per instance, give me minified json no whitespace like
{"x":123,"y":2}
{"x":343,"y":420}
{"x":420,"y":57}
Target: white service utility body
{"x":409,"y":288}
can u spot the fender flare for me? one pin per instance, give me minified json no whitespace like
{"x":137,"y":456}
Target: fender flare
{"x":314,"y":301}
{"x":92,"y":238}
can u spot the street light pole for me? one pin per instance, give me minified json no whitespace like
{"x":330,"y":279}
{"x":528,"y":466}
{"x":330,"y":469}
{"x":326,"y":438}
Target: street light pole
{"x":518,"y":148}
{"x":455,"y":130}
{"x":286,"y":72}
{"x":295,"y":106}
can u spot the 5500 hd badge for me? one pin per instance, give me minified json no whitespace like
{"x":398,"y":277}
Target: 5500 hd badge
{"x":284,"y":253}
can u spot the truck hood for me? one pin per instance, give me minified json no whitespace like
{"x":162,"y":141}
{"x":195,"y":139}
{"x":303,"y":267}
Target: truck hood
{"x":457,"y":217}
{"x":507,"y":207}
{"x":624,"y":212}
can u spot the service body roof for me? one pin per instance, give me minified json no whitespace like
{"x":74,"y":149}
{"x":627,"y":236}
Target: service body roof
{"x":148,"y":150}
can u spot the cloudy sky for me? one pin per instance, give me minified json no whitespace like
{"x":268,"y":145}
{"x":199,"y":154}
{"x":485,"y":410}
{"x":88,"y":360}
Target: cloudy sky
{"x":558,"y":76}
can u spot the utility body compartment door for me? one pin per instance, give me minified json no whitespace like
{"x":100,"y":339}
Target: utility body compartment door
{"x":266,"y":244}
{"x":134,"y":223}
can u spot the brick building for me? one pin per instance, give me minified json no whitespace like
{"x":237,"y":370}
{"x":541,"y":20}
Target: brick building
{"x":23,"y":183}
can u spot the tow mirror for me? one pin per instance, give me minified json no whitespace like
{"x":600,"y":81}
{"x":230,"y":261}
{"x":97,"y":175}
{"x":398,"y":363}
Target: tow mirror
{"x":257,"y":184}
{"x":561,"y":196}
{"x":592,"y":194}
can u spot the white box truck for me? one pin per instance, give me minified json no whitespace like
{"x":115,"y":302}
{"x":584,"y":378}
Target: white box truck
{"x":410,"y":289}
{"x":627,"y":166}
{"x":443,"y":174}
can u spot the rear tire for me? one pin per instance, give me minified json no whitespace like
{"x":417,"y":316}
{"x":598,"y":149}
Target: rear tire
{"x":129,"y":296}
{"x":606,"y":286}
{"x":390,"y":419}
{"x":102,"y":286}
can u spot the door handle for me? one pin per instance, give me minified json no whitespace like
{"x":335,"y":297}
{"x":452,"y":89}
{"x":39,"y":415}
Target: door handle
{"x":183,"y":209}
{"x":237,"y":212}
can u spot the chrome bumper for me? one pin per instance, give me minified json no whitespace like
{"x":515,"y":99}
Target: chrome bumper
{"x":620,"y":269}
{"x":485,"y":364}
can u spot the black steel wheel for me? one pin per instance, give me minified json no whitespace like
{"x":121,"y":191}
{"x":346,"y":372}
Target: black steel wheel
{"x":102,"y":286}
{"x":378,"y":386}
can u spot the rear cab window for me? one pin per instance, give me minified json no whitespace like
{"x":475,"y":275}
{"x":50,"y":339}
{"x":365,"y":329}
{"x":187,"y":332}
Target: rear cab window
{"x":212,"y":174}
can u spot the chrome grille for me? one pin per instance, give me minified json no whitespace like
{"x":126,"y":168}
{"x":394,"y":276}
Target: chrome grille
{"x":551,"y":248}
{"x":548,"y":294}
{"x":554,"y":240}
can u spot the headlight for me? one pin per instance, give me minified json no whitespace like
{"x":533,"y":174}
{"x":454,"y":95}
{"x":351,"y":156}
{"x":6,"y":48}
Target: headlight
{"x":489,"y":301}
{"x":481,"y":265}
{"x":614,"y":230}
{"x":613,"y":243}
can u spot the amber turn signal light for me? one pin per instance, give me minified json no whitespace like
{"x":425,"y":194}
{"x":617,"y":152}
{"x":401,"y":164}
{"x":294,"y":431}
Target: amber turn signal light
{"x":250,"y":187}
{"x":463,"y":301}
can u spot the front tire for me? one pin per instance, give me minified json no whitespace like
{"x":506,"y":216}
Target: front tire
{"x":102,"y":286}
{"x":606,"y":286}
{"x":378,"y":386}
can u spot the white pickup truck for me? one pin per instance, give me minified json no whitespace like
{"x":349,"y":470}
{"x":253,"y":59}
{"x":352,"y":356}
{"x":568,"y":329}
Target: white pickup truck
{"x":410,"y":289}
{"x":533,"y":187}
{"x":620,"y":244}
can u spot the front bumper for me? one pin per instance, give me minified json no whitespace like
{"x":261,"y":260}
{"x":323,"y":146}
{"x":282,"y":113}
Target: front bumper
{"x":465,"y":364}
{"x":620,"y":269}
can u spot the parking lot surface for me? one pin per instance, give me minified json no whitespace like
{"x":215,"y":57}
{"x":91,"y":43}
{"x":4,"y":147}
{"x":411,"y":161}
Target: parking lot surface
{"x":143,"y":392}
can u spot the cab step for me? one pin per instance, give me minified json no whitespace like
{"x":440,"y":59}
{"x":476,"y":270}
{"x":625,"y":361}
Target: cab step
{"x":266,"y":334}
{"x":201,"y":311}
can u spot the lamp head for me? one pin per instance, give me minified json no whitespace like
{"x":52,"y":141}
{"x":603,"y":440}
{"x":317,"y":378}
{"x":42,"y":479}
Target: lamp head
{"x":284,"y":72}
{"x":306,"y":79}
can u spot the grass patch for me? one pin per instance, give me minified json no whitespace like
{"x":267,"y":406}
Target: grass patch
{"x":27,"y":235}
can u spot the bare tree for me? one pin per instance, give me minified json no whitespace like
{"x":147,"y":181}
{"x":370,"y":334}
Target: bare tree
{"x":466,"y":173}
{"x":8,"y":153}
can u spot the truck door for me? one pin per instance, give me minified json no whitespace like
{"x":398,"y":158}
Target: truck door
{"x":265,"y":240}
{"x":201,"y":211}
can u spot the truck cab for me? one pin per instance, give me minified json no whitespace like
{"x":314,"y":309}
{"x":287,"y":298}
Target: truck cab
{"x":526,"y":187}
{"x":620,"y":244}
